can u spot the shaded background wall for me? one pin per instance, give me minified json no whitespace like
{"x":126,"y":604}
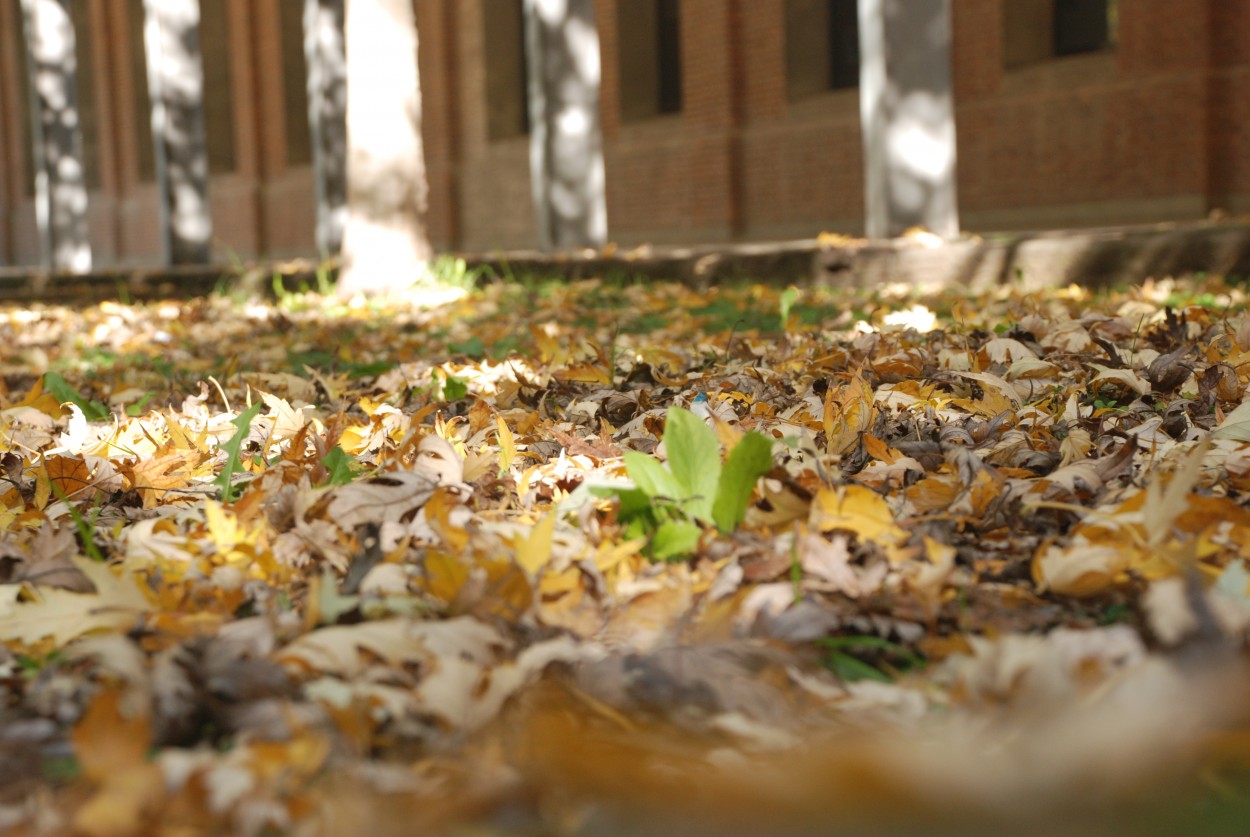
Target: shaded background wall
{"x":723,"y":120}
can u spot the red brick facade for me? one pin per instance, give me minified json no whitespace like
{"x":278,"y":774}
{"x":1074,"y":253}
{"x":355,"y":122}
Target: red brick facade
{"x":1157,"y":128}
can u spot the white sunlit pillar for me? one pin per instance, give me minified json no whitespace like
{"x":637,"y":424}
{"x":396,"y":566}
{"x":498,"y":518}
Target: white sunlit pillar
{"x":385,"y":244}
{"x":566,"y":145}
{"x":171,"y":39}
{"x":326,"y":57}
{"x":908,"y":119}
{"x":60,"y":178}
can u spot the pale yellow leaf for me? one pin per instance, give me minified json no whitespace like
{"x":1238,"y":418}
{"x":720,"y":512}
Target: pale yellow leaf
{"x":533,"y":552}
{"x":507,"y":444}
{"x":62,"y":615}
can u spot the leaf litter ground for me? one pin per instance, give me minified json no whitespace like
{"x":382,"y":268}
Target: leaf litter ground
{"x":610,"y":558}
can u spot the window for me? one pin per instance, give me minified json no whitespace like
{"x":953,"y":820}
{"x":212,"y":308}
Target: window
{"x":668,"y":49}
{"x":1083,"y":25}
{"x":649,"y":34}
{"x":507,"y":75}
{"x":1036,"y":30}
{"x":295,"y":84}
{"x":822,"y":46}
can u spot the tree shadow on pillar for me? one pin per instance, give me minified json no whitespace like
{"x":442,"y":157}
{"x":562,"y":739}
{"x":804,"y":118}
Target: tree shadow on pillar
{"x":60,"y":173}
{"x":566,"y":145}
{"x":176,"y":87}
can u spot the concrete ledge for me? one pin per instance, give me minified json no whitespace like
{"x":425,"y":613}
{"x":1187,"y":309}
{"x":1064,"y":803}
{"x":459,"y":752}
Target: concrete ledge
{"x":149,"y":283}
{"x":1093,"y":258}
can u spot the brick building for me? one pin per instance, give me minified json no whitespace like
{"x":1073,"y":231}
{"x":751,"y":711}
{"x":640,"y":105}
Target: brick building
{"x":722,"y":120}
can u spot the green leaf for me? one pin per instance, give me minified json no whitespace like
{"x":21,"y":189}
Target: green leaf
{"x":848,"y":669}
{"x":454,"y":388}
{"x":58,"y":386}
{"x":750,"y":459}
{"x":874,"y":643}
{"x":473,"y":347}
{"x":340,"y":466}
{"x":243,"y":423}
{"x":652,"y":478}
{"x":694,"y":457}
{"x":788,"y":297}
{"x":674,"y":539}
{"x":137,"y":408}
{"x":635,"y":505}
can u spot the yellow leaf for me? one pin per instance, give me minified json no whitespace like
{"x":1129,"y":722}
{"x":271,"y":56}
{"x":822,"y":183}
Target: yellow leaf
{"x":182,"y":438}
{"x":44,"y":402}
{"x":608,"y":554}
{"x":445,"y":574}
{"x":507,"y":444}
{"x":438,"y":513}
{"x":533,"y":552}
{"x":111,"y":746}
{"x":7,"y":516}
{"x":856,"y":509}
{"x":63,"y":615}
{"x":234,"y":541}
{"x":848,"y":412}
{"x":1084,"y":567}
{"x":106,"y":740}
{"x":586,"y":372}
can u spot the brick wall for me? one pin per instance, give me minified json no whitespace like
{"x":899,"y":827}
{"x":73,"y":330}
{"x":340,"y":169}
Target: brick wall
{"x":1156,"y":129}
{"x":495,"y":208}
{"x":437,"y":59}
{"x":1150,"y":131}
{"x":1104,"y":138}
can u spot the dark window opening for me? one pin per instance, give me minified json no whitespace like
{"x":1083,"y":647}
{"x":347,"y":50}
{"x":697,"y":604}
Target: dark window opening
{"x":843,"y":44}
{"x":822,"y":46}
{"x":1037,"y":30}
{"x":295,"y":84}
{"x":1082,"y":25}
{"x":649,"y":35}
{"x":507,"y":75}
{"x":668,"y":49}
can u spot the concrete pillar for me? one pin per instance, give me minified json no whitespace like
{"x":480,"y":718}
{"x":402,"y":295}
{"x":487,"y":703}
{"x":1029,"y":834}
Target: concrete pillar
{"x":385,"y":246}
{"x":60,"y":176}
{"x":908,"y":116}
{"x":566,"y":145}
{"x":176,"y":86}
{"x":326,"y":57}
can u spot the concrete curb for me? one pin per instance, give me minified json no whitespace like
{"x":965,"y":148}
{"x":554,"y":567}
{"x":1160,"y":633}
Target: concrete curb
{"x":1032,"y":260}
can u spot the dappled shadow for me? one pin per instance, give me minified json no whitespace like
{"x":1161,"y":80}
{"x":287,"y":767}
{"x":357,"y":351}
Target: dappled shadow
{"x":176,"y":87}
{"x":326,"y":58}
{"x":566,"y":147}
{"x":60,"y":178}
{"x":906,"y":109}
